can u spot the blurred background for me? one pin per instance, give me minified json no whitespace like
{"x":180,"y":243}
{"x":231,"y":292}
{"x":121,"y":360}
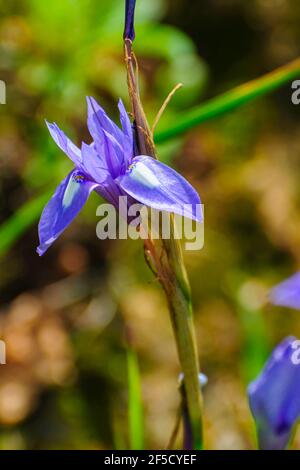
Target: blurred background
{"x":65,"y":317}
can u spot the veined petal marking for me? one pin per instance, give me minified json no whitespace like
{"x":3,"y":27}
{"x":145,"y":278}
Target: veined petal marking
{"x":72,"y":189}
{"x":142,"y":174}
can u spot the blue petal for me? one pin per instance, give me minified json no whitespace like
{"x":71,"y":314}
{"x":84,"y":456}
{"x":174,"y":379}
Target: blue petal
{"x":125,"y":121}
{"x":93,"y":164}
{"x":96,"y":167}
{"x":128,"y":132}
{"x":159,"y":186}
{"x":64,"y":143}
{"x":108,"y":138}
{"x":67,"y":201}
{"x":99,"y":121}
{"x":275,"y":399}
{"x":287,"y":294}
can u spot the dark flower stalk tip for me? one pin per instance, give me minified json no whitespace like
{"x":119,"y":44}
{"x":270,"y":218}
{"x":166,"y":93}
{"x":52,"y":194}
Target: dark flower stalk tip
{"x":129,"y":32}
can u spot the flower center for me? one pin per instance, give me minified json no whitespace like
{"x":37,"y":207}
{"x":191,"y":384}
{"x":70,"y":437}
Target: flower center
{"x":79,"y":177}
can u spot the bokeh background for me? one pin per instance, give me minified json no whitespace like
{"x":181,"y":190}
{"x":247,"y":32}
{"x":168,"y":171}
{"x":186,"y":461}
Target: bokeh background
{"x":65,"y":317}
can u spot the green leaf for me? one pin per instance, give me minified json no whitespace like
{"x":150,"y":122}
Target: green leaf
{"x":231,"y":100}
{"x":17,"y":224}
{"x":135,"y":405}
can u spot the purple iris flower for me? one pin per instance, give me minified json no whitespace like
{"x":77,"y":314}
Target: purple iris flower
{"x":275,"y":396}
{"x":287,"y":293}
{"x":129,"y":20}
{"x":109,"y":167}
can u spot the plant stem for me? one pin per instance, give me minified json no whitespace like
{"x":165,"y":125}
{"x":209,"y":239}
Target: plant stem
{"x":166,"y":257}
{"x":173,"y":278}
{"x":231,"y":100}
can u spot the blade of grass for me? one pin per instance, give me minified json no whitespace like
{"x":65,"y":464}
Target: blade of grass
{"x":13,"y":228}
{"x":135,"y":405}
{"x":231,"y":100}
{"x":119,"y":440}
{"x":255,"y":342}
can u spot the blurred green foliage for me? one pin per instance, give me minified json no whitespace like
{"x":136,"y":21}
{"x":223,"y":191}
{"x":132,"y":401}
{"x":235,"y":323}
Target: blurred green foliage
{"x":135,"y":406}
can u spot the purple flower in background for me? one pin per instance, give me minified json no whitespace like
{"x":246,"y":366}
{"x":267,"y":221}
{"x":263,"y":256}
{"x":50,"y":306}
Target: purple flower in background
{"x":109,"y":167}
{"x":275,"y":396}
{"x":287,"y":293}
{"x":129,"y":20}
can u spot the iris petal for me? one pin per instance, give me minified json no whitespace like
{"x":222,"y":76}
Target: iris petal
{"x":64,"y":143}
{"x":67,"y":201}
{"x":275,"y":399}
{"x":125,"y":121}
{"x":128,"y":133}
{"x":287,"y":294}
{"x":159,"y":186}
{"x":98,"y":120}
{"x":108,"y":137}
{"x":93,"y":164}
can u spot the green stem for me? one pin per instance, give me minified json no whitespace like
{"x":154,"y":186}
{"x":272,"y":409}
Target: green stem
{"x":182,"y":320}
{"x":176,"y":285}
{"x":183,"y":327}
{"x":231,"y":100}
{"x":166,"y":257}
